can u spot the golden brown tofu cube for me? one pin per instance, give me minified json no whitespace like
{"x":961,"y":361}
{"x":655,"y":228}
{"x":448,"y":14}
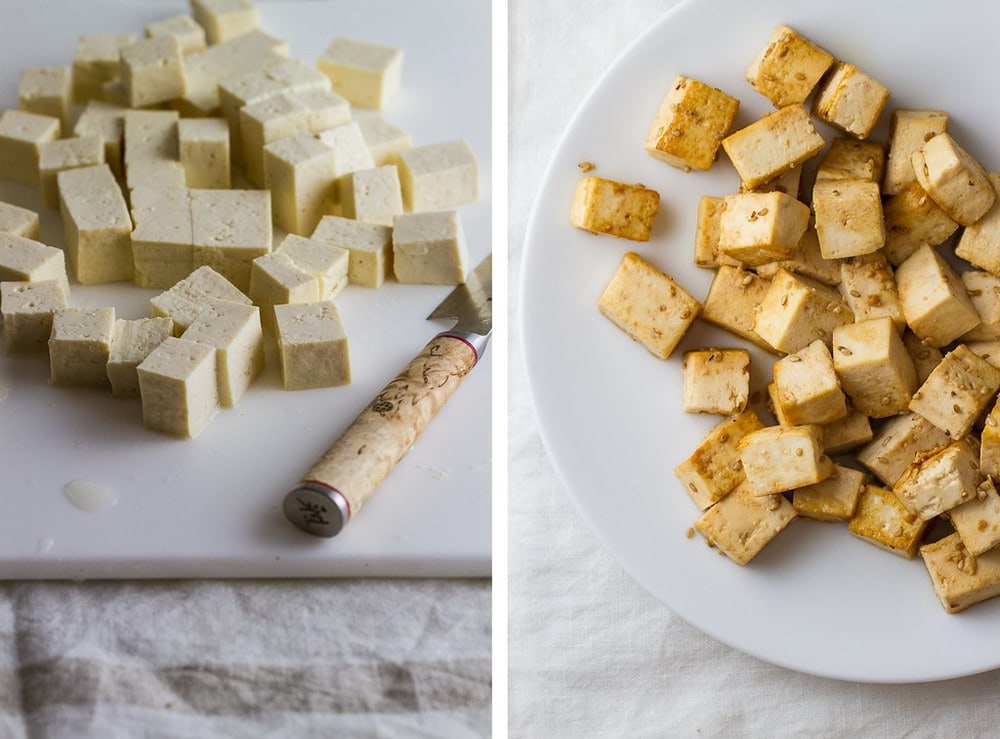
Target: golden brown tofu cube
{"x":849,"y":220}
{"x":913,"y":220}
{"x":806,"y":387}
{"x":850,"y":100}
{"x":716,"y":381}
{"x":773,"y":145}
{"x":797,"y":311}
{"x":940,"y":480}
{"x":989,"y":452}
{"x":979,"y":243}
{"x":897,"y":443}
{"x":614,"y":208}
{"x":732,"y":302}
{"x":880,"y":518}
{"x":706,"y":234}
{"x":757,"y":228}
{"x":788,"y":68}
{"x":935,"y":303}
{"x":848,"y":433}
{"x":874,"y":367}
{"x":691,"y":122}
{"x":780,"y":458}
{"x":959,"y":579}
{"x":807,"y":260}
{"x":850,"y":159}
{"x":984,"y":292}
{"x":925,"y":357}
{"x":978,"y":520}
{"x":742,"y":523}
{"x":953,"y":179}
{"x":957,"y":391}
{"x":833,"y":499}
{"x":909,"y":131}
{"x":868,"y":286}
{"x":714,"y":468}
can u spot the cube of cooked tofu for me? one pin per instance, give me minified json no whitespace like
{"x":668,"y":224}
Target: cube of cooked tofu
{"x":47,"y":91}
{"x":742,"y":523}
{"x":706,"y":234}
{"x":19,"y":221}
{"x":953,"y":179}
{"x":935,"y":302}
{"x":184,"y":301}
{"x":757,"y":228}
{"x":908,"y":132}
{"x":977,"y":521}
{"x":850,"y":100}
{"x":984,"y":292}
{"x":131,"y":343}
{"x":648,"y":305}
{"x":788,"y":68}
{"x":691,"y":122}
{"x":849,"y":220}
{"x":366,"y":74}
{"x":868,"y":286}
{"x":913,"y":220}
{"x":881,"y":519}
{"x":925,"y":357}
{"x":773,"y":145}
{"x":806,"y":387}
{"x":714,"y":468}
{"x":152,"y":71}
{"x":230,"y":228}
{"x":732,"y":302}
{"x":328,"y":263}
{"x":97,"y":225}
{"x":961,"y":580}
{"x":897,"y":443}
{"x":979,"y":243}
{"x":957,"y":391}
{"x":79,"y":346}
{"x":609,"y":207}
{"x":833,"y":499}
{"x":988,"y":350}
{"x":225,"y":19}
{"x":203,"y":145}
{"x":807,"y":260}
{"x":848,"y":433}
{"x":369,"y":245}
{"x":775,"y":407}
{"x":27,"y":309}
{"x":312,"y":346}
{"x":182,"y":27}
{"x":780,"y":458}
{"x":874,"y":367}
{"x":787,"y":182}
{"x":716,"y":381}
{"x":797,"y":311}
{"x":989,"y":452}
{"x":177,"y":383}
{"x":21,"y":136}
{"x":940,"y":480}
{"x":234,"y":331}
{"x":850,"y":159}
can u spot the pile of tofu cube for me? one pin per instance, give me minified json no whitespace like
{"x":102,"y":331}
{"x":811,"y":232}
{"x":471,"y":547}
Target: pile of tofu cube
{"x":885,"y":392}
{"x":172,"y":158}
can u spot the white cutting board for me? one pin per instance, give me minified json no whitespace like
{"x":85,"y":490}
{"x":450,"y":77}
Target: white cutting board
{"x":210,"y":507}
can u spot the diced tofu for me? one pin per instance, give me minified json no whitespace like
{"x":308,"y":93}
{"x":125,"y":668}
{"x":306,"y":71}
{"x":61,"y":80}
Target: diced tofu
{"x":225,"y":19}
{"x":953,"y":179}
{"x":691,"y":122}
{"x":780,"y":458}
{"x":234,"y":331}
{"x":989,"y":452}
{"x":957,"y":391}
{"x":868,"y":286}
{"x":97,"y":60}
{"x":850,"y":159}
{"x":925,"y":358}
{"x":27,"y":309}
{"x":184,"y":301}
{"x":25,"y":260}
{"x":114,"y":92}
{"x":46,"y":91}
{"x":182,"y":27}
{"x":372,"y":195}
{"x":276,"y":280}
{"x":108,"y":122}
{"x":742,"y":523}
{"x":230,"y":229}
{"x":732,"y":302}
{"x":874,"y":367}
{"x":978,"y":521}
{"x":881,"y":519}
{"x":429,"y":249}
{"x":716,"y":381}
{"x":848,"y":433}
{"x":787,"y":182}
{"x":204,"y":152}
{"x":773,"y":145}
{"x":384,"y":140}
{"x":21,"y":137}
{"x":757,"y":228}
{"x":909,"y":131}
{"x":251,"y":51}
{"x":608,"y":207}
{"x":788,"y":68}
{"x":849,"y":220}
{"x":368,"y":75}
{"x":979,"y":243}
{"x":941,"y":480}
{"x":177,"y":382}
{"x":298,"y":172}
{"x":833,"y":499}
{"x":797,"y":311}
{"x":162,"y":250}
{"x":706,"y":235}
{"x":984,"y":292}
{"x":913,"y":220}
{"x":806,"y":388}
{"x":714,"y":469}
{"x":850,"y":100}
{"x":312,"y":346}
{"x":897,"y":443}
{"x":648,"y":305}
{"x":961,"y":580}
{"x":97,"y":225}
{"x":935,"y":302}
{"x":988,"y":350}
{"x":328,"y":263}
{"x":439,"y":176}
{"x":151,"y":149}
{"x":369,"y":244}
{"x":131,"y":343}
{"x":350,"y":152}
{"x":58,"y":156}
{"x":153,"y":71}
{"x":807,"y":260}
{"x":79,"y":346}
{"x":19,"y":221}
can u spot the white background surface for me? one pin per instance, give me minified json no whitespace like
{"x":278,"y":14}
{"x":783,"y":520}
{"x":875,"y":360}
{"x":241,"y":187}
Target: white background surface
{"x":590,"y":653}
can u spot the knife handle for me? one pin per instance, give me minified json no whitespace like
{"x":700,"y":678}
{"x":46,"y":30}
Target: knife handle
{"x":340,"y":483}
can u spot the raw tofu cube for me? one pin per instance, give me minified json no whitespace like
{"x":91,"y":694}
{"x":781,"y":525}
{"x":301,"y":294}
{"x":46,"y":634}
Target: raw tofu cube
{"x":329,"y":264}
{"x":849,"y":432}
{"x":57,"y":156}
{"x":881,"y":519}
{"x":648,"y":305}
{"x":742,"y":523}
{"x":850,"y":159}
{"x":806,"y":387}
{"x":706,"y":235}
{"x":79,"y":346}
{"x":953,"y":179}
{"x":984,"y":292}
{"x":833,"y":499}
{"x":897,"y":443}
{"x":773,"y":145}
{"x":912,"y":220}
{"x":177,"y":382}
{"x":941,"y":480}
{"x":46,"y":91}
{"x":225,"y":19}
{"x":234,"y":331}
{"x":429,"y":249}
{"x":368,"y":75}
{"x":24,"y":260}
{"x":276,"y":280}
{"x":369,"y":244}
{"x":797,"y":311}
{"x":440,"y":176}
{"x":989,"y":453}
{"x":909,"y":131}
{"x":732,"y":302}
{"x":807,"y":260}
{"x":979,"y":243}
{"x":780,"y":458}
{"x":925,"y":358}
{"x":182,"y":27}
{"x":184,"y":301}
{"x":21,"y":136}
{"x":230,"y":229}
{"x":850,"y":100}
{"x":849,"y":220}
{"x":97,"y":60}
{"x":957,"y":391}
{"x":874,"y":367}
{"x":978,"y":521}
{"x":384,"y":140}
{"x":204,"y":152}
{"x":614,"y":208}
{"x":27,"y":309}
{"x":114,"y":92}
{"x":19,"y":221}
{"x":787,"y":182}
{"x":349,"y":150}
{"x":372,"y":195}
{"x":788,"y":68}
{"x":868,"y":286}
{"x":757,"y":228}
{"x":714,"y":469}
{"x":312,"y":346}
{"x":131,"y":343}
{"x":97,"y":225}
{"x":108,"y":122}
{"x":151,"y":149}
{"x":691,"y":122}
{"x":153,"y":71}
{"x":162,"y":250}
{"x":935,"y":302}
{"x":298,"y":171}
{"x":716,"y":381}
{"x":961,"y":580}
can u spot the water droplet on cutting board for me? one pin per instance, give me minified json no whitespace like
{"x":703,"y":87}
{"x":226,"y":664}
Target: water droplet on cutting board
{"x":90,"y":496}
{"x":45,"y":545}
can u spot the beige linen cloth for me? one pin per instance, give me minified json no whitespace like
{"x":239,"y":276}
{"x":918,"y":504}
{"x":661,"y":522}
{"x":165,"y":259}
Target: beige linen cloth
{"x":592,"y":654}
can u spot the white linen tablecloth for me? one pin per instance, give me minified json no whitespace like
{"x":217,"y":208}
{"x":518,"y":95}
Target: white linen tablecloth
{"x":590,"y":652}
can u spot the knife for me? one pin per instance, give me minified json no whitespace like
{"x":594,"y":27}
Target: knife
{"x":340,"y":483}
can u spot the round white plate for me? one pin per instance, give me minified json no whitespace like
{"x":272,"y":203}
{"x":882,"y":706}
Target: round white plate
{"x":816,"y":599}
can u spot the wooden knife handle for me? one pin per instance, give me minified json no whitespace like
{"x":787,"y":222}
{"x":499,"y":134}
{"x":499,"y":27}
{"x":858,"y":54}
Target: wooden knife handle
{"x":341,"y":482}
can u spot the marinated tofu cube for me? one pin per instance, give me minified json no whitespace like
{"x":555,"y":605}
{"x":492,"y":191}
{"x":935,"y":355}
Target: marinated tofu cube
{"x":953,"y":179}
{"x":162,"y":250}
{"x":941,"y":480}
{"x":79,"y":346}
{"x":773,"y":145}
{"x":369,"y":244}
{"x":614,"y":208}
{"x":989,"y":452}
{"x":204,"y":152}
{"x":908,"y":132}
{"x":848,"y":433}
{"x":706,"y":235}
{"x":757,"y":228}
{"x":732,"y":302}
{"x":850,"y":100}
{"x":429,"y":249}
{"x":97,"y":60}
{"x":807,"y":260}
{"x":177,"y":382}
{"x":97,"y":225}
{"x":984,"y":292}
{"x":27,"y":309}
{"x":774,"y":406}
{"x":780,"y":458}
{"x":833,"y":499}
{"x":897,"y":443}
{"x":58,"y":156}
{"x":978,"y":521}
{"x":925,"y":357}
{"x":850,"y":159}
{"x":131,"y":343}
{"x":21,"y":137}
{"x":108,"y":122}
{"x":714,"y":469}
{"x":234,"y":331}
{"x":881,"y":519}
{"x":797,"y":311}
{"x":298,"y":171}
{"x":960,"y":579}
{"x":849,"y":219}
{"x":230,"y":229}
{"x":806,"y":387}
{"x":742,"y":523}
{"x":868,"y":286}
{"x":182,"y":27}
{"x":46,"y":91}
{"x":312,"y":346}
{"x":276,"y":280}
{"x":691,"y":122}
{"x":979,"y":243}
{"x":988,"y":350}
{"x":368,"y":75}
{"x":440,"y":176}
{"x":716,"y":381}
{"x":153,"y":71}
{"x":329,"y":264}
{"x":874,"y":367}
{"x":935,"y":302}
{"x":648,"y":305}
{"x":913,"y":220}
{"x":957,"y":391}
{"x":372,"y":195}
{"x":788,"y":68}
{"x":225,"y":19}
{"x":384,"y":140}
{"x":25,"y":260}
{"x":184,"y":301}
{"x":18,"y":221}
{"x":787,"y":182}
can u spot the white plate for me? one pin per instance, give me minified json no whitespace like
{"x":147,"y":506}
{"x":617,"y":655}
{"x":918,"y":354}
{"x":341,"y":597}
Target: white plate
{"x":211,"y":506}
{"x":816,"y":599}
